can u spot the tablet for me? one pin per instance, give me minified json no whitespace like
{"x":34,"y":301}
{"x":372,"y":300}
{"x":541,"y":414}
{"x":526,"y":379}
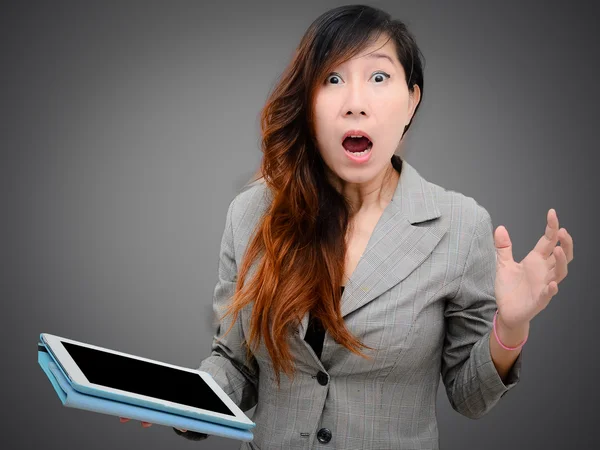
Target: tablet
{"x":132,"y":379}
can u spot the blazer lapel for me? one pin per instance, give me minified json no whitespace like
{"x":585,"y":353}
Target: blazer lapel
{"x":397,"y":246}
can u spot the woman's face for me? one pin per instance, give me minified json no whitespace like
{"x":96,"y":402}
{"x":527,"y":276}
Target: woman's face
{"x":367,"y":93}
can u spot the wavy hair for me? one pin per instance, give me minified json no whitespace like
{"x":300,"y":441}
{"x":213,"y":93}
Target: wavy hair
{"x":299,"y":244}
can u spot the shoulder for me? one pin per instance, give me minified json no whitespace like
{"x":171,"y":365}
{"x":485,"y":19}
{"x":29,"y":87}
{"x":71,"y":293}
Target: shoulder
{"x":430,"y":204}
{"x":468,"y":207}
{"x":248,"y":206}
{"x":253,"y":195}
{"x":464,"y":216}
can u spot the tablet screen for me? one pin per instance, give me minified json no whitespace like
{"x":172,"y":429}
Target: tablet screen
{"x":145,"y":378}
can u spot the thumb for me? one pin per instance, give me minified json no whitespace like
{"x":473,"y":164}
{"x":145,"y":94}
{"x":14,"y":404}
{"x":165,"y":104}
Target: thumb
{"x":503,"y":245}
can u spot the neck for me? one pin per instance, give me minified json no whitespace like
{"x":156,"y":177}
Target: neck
{"x":372,"y":195}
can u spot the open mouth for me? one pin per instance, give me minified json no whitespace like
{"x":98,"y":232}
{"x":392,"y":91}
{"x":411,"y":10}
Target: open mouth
{"x":357,"y":146}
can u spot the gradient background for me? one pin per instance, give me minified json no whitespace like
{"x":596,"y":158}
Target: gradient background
{"x":127,"y":128}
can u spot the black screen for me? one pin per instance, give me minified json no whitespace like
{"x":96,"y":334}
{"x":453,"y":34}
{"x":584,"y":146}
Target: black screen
{"x":145,"y":378}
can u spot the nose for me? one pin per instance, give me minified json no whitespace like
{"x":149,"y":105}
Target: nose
{"x":356,"y":103}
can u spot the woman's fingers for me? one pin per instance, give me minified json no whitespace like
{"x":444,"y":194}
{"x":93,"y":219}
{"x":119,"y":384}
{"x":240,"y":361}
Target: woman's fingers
{"x":144,"y":424}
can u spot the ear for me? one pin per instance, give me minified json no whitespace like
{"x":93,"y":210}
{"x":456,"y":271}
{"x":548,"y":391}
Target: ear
{"x":413,"y":101}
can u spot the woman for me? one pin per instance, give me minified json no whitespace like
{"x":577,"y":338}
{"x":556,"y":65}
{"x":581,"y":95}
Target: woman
{"x":430,"y":289}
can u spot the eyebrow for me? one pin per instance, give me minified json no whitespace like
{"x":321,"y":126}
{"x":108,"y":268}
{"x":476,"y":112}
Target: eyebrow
{"x":380,"y":55}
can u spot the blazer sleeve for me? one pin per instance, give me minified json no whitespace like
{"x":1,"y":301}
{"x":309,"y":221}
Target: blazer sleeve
{"x":227,"y":361}
{"x":471,"y":380}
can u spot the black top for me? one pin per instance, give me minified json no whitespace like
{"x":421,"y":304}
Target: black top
{"x":315,"y":334}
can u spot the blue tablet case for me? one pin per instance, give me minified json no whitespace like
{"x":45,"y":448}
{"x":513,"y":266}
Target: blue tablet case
{"x":74,"y":399}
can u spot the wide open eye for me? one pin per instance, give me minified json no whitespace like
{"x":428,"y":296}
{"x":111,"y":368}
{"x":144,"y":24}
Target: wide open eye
{"x":333,"y":76}
{"x":381,"y":74}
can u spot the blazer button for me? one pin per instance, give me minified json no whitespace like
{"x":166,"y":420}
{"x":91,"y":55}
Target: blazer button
{"x":324,"y":435}
{"x":322,"y":378}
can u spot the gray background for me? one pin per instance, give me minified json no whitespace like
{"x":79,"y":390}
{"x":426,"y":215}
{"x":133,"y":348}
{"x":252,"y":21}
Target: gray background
{"x":123,"y":123}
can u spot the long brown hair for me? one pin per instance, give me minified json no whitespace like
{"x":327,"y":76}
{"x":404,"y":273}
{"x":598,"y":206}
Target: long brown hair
{"x":299,"y":243}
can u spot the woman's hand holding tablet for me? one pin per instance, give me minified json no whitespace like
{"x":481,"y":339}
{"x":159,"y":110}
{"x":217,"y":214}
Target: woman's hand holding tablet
{"x":132,"y":379}
{"x":136,"y":388}
{"x":192,"y":435}
{"x":144,"y":424}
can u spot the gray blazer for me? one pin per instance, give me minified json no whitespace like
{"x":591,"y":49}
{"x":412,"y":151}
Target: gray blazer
{"x":422,"y":293}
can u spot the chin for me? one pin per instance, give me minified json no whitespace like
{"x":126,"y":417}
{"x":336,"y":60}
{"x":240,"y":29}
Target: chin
{"x":358,"y":175}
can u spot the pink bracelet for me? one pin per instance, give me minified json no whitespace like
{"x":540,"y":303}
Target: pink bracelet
{"x":498,"y":339}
